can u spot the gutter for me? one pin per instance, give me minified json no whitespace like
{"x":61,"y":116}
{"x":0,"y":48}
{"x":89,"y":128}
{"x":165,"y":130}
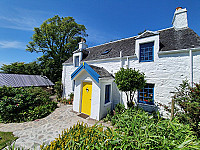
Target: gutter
{"x":178,"y":51}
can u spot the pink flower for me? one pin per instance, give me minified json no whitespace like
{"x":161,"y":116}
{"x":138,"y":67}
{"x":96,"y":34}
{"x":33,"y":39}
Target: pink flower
{"x":17,"y":104}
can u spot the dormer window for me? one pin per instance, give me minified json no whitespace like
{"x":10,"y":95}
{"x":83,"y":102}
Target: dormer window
{"x":106,"y":51}
{"x":146,"y":52}
{"x":76,"y":61}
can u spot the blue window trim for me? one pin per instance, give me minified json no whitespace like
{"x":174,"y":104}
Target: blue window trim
{"x":107,"y":93}
{"x":148,"y":87}
{"x":76,"y":62}
{"x":146,"y":47}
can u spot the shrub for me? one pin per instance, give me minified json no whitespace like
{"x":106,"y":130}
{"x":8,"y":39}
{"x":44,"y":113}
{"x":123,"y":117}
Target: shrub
{"x":134,"y":129}
{"x":67,"y":101}
{"x":58,"y":89}
{"x":187,"y":105}
{"x":24,"y":104}
{"x":129,"y":81}
{"x":81,"y":136}
{"x":145,"y":131}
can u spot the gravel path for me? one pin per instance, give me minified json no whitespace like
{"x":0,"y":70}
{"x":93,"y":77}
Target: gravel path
{"x":35,"y":133}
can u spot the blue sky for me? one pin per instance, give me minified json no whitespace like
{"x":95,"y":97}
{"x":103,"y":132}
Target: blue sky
{"x":105,"y":20}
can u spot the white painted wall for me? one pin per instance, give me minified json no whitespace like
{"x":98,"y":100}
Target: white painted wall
{"x":166,"y":72}
{"x":95,"y":99}
{"x":180,"y":19}
{"x":109,"y":106}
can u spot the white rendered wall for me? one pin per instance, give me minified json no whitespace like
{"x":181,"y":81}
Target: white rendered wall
{"x":166,"y":72}
{"x":68,"y":69}
{"x":180,"y":19}
{"x":105,"y":107}
{"x":95,"y":99}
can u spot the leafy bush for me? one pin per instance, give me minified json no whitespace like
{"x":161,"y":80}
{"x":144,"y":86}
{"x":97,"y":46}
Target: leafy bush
{"x":81,"y":136}
{"x":67,"y":101}
{"x":145,"y":131}
{"x":129,"y":81}
{"x":187,"y":105}
{"x":58,"y":89}
{"x":133,"y":129}
{"x":24,"y":104}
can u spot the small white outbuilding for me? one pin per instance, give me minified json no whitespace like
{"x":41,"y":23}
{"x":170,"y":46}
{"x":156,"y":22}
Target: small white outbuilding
{"x":93,"y":88}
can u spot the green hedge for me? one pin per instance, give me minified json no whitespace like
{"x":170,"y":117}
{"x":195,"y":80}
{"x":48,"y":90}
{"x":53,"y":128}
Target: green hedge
{"x":24,"y":104}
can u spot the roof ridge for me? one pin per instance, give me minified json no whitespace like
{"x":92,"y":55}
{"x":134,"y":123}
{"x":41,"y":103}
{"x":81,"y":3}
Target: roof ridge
{"x":112,"y":42}
{"x":130,"y":37}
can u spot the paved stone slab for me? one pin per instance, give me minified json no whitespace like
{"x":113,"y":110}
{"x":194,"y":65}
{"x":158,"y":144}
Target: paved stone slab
{"x":35,"y":133}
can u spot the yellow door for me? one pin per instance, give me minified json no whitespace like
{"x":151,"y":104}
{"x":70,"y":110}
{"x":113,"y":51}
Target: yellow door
{"x":86,"y":98}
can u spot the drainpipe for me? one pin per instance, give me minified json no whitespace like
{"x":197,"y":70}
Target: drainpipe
{"x":121,"y":66}
{"x":191,"y":67}
{"x":63,"y":86}
{"x":127,"y":60}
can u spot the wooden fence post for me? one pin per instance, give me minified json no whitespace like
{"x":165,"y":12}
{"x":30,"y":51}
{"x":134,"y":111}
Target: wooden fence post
{"x":172,"y":110}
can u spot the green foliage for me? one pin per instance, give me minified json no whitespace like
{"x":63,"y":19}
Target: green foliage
{"x":58,"y":89}
{"x":24,"y":104}
{"x":32,"y":68}
{"x":187,"y":105}
{"x":69,"y":100}
{"x":133,"y":129}
{"x":81,"y":136}
{"x":119,"y":108}
{"x":7,"y":139}
{"x":128,"y":81}
{"x":56,"y":38}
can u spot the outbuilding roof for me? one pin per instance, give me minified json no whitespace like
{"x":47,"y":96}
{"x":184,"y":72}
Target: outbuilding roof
{"x":94,"y":71}
{"x":170,"y":39}
{"x":20,"y":80}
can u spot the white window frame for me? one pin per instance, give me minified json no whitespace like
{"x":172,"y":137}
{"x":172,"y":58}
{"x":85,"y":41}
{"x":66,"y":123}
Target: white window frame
{"x":154,"y":39}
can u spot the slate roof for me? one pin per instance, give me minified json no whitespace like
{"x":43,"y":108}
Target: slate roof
{"x":19,"y":80}
{"x":170,"y":39}
{"x":147,"y":34}
{"x":101,"y":71}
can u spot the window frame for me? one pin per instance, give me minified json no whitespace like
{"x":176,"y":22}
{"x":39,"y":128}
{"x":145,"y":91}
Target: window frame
{"x":76,"y":64}
{"x":109,"y":96}
{"x":147,"y":87}
{"x":146,"y":51}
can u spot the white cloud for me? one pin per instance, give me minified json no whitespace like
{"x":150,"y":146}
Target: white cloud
{"x":12,"y":44}
{"x":21,"y":19}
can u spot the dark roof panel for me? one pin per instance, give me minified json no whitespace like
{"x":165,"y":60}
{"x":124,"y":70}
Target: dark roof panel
{"x":101,"y":71}
{"x":19,"y":80}
{"x":170,"y":39}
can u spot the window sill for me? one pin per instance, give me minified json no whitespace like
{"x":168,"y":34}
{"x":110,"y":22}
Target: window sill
{"x":147,"y":103}
{"x":109,"y":103}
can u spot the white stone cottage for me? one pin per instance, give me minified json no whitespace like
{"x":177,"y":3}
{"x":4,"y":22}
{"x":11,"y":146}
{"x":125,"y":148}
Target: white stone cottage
{"x":166,"y":56}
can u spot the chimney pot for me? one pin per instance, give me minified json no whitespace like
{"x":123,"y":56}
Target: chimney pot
{"x":178,"y":8}
{"x":180,"y":18}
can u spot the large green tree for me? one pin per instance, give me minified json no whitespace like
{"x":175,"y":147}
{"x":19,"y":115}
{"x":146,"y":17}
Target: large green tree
{"x":129,"y":81}
{"x":32,"y":68}
{"x":56,"y":38}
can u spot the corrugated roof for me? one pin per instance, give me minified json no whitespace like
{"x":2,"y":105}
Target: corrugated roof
{"x":19,"y":80}
{"x":170,"y":39}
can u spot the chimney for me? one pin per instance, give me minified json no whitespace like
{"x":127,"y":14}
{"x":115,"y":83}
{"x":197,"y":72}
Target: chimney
{"x":82,"y":44}
{"x":180,"y":18}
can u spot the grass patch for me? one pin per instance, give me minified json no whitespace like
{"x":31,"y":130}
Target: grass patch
{"x":7,"y":139}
